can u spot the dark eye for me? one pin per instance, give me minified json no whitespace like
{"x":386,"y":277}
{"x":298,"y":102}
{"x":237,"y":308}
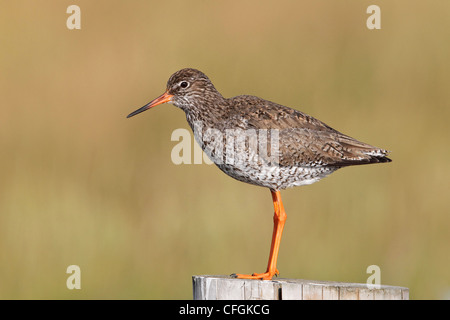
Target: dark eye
{"x":184,"y":84}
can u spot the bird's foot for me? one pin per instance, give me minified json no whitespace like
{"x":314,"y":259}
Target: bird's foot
{"x":262,"y":276}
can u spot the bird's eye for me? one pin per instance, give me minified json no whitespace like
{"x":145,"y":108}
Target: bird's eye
{"x":184,"y":84}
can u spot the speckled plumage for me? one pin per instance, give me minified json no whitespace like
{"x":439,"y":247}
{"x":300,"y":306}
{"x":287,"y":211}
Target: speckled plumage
{"x":309,"y":150}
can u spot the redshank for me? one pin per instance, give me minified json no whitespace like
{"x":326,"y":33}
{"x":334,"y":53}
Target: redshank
{"x":291,"y":149}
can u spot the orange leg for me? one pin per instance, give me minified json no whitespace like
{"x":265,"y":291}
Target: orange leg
{"x":279,"y":219}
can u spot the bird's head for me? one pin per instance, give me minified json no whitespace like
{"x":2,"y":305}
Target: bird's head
{"x":186,"y":88}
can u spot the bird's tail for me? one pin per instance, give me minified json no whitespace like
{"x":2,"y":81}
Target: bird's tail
{"x":355,"y":152}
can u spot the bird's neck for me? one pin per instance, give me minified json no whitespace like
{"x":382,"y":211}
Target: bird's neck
{"x":206,"y":109}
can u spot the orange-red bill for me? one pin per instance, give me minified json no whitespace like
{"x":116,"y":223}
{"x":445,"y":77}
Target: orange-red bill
{"x":166,"y":97}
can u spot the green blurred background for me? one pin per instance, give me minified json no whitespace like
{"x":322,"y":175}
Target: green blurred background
{"x":80,"y":184}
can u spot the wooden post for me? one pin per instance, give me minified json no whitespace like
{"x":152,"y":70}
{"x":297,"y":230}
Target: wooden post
{"x":228,"y":288}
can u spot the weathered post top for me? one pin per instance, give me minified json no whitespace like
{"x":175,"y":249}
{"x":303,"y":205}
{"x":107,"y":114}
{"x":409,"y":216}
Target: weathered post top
{"x":208,"y":287}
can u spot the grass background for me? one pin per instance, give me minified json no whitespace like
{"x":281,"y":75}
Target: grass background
{"x":80,"y":184}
